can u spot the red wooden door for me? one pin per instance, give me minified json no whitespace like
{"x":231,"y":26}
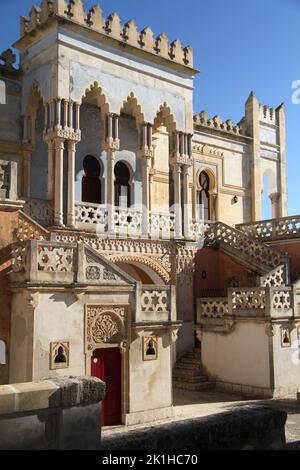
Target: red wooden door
{"x":106,"y":365}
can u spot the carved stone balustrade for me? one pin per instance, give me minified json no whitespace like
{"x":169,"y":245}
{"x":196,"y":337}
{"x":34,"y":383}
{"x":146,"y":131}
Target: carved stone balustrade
{"x":249,"y":251}
{"x":156,"y":303}
{"x":197,"y":230}
{"x":92,"y":216}
{"x":43,"y":261}
{"x":162,"y":226}
{"x":219,"y":314}
{"x":273,"y":229}
{"x":128,"y":221}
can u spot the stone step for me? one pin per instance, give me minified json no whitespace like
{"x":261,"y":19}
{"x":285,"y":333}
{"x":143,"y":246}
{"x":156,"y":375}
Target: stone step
{"x":183,"y":372}
{"x":190,"y":378}
{"x":190,"y":360}
{"x":194,"y":387}
{"x":186,"y":365}
{"x":193,"y":355}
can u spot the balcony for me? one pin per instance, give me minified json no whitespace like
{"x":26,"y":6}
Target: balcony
{"x":126,"y":222}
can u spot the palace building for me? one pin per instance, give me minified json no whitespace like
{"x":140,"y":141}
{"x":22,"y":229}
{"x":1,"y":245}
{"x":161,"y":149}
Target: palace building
{"x":132,"y":245}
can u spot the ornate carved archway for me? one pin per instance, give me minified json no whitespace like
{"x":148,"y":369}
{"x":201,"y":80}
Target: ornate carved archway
{"x":156,"y":266}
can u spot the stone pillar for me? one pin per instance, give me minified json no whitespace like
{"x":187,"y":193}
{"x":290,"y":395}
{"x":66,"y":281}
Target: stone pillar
{"x":110,"y":185}
{"x":253,"y":129}
{"x":283,"y":199}
{"x":58,"y":195}
{"x":146,"y":166}
{"x":177,"y":200}
{"x":186,"y":207}
{"x":71,"y":183}
{"x":26,"y":154}
{"x":50,"y":169}
{"x":275,"y":202}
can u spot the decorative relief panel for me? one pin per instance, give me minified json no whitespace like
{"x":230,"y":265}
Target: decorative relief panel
{"x":55,"y":259}
{"x":95,"y":271}
{"x":104,"y":325}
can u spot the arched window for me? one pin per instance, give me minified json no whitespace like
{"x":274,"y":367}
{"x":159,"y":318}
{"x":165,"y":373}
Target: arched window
{"x":122,"y":185}
{"x":2,"y":353}
{"x":91,"y":183}
{"x":204,"y":196}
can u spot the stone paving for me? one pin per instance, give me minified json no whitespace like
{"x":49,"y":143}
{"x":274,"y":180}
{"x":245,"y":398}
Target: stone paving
{"x":196,"y":404}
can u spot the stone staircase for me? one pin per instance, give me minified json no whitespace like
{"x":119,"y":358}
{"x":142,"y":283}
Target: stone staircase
{"x":188,"y":375}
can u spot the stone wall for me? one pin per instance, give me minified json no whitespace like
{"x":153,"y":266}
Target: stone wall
{"x":62,"y":413}
{"x":249,"y":428}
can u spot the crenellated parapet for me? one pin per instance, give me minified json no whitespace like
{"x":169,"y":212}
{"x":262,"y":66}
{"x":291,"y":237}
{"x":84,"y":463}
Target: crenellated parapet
{"x":216,"y":122}
{"x":268,"y":115}
{"x":73,"y":10}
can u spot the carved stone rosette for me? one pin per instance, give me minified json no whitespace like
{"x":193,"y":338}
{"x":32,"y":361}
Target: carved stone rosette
{"x":104,"y":324}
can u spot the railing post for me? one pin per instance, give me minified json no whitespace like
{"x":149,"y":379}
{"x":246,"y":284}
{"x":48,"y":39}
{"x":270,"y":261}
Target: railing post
{"x":269,"y":301}
{"x":173,"y":312}
{"x":81,"y":264}
{"x":33,"y":247}
{"x":138,"y":301}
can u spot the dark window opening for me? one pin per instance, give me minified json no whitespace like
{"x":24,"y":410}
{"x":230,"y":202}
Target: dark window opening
{"x":151,"y":350}
{"x":204,"y":197}
{"x":122,"y":185}
{"x":91,"y":183}
{"x":60,"y":357}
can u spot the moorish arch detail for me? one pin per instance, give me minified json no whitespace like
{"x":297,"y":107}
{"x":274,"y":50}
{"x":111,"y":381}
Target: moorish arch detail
{"x":94,"y":91}
{"x":105,"y":324}
{"x":156,"y":266}
{"x":164,"y":114}
{"x":132,"y":107}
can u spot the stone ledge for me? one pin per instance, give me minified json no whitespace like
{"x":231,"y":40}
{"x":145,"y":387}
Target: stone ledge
{"x":63,"y":392}
{"x":250,"y":427}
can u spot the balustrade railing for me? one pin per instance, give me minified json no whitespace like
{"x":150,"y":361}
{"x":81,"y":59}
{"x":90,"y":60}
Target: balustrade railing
{"x":128,"y":221}
{"x":211,"y":308}
{"x":247,"y":302}
{"x":91,"y":214}
{"x":156,"y":303}
{"x":162,"y":225}
{"x":257,"y":253}
{"x":273,"y":229}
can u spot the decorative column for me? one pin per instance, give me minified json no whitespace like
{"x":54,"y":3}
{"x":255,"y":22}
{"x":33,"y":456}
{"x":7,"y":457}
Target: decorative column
{"x":177,"y":199}
{"x":50,"y":144}
{"x":58,"y":196}
{"x":71,"y":183}
{"x":275,"y":202}
{"x":111,"y":145}
{"x":186,"y":205}
{"x":110,"y":184}
{"x":26,"y":154}
{"x":146,"y":166}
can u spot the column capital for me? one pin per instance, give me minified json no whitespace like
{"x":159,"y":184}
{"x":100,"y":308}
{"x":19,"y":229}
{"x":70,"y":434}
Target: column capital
{"x":112,"y":144}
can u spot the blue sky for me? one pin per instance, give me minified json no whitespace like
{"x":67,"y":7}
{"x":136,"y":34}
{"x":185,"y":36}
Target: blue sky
{"x":239,"y":46}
